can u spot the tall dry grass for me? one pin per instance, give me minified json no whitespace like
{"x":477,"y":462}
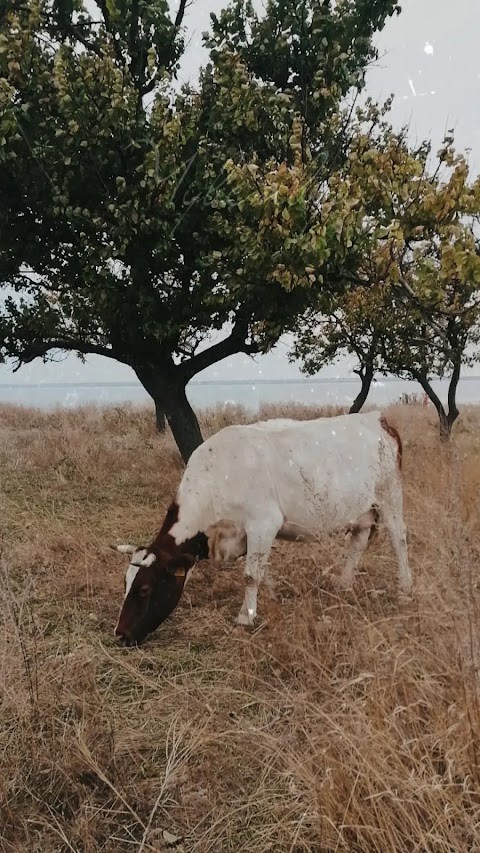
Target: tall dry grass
{"x":344,"y":722}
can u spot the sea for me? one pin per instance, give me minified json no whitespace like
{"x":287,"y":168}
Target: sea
{"x":247,"y":393}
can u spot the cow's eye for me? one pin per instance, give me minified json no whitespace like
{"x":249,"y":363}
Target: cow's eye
{"x":144,"y":591}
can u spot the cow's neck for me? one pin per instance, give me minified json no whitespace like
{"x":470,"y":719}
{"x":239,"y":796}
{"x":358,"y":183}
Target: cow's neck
{"x":196,"y":545}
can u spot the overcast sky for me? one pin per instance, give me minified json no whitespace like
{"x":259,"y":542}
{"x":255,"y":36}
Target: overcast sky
{"x":430,"y":61}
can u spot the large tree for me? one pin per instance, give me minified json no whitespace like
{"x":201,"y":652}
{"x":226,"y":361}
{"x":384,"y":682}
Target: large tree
{"x":116,"y":210}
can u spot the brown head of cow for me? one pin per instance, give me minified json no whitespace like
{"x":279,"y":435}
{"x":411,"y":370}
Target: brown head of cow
{"x":154,"y":583}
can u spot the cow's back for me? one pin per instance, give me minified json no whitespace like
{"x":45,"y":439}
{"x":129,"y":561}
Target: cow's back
{"x":320,"y":473}
{"x":331,"y":469}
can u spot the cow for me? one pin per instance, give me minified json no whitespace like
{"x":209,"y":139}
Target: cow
{"x":248,"y":485}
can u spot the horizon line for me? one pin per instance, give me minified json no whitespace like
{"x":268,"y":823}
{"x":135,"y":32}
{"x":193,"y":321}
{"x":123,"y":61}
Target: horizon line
{"x":221,"y":382}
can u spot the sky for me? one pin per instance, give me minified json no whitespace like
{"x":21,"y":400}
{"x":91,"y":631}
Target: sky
{"x":430,"y":60}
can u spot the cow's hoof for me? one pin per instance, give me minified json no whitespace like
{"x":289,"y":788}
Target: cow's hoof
{"x":405,"y":596}
{"x":245,"y":621}
{"x":341,"y":582}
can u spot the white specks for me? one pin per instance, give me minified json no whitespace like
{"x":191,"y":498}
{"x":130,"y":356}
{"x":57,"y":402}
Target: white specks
{"x":428,"y":49}
{"x":333,"y":432}
{"x":226,"y":476}
{"x":290,"y":462}
{"x":410,"y":83}
{"x":251,"y":612}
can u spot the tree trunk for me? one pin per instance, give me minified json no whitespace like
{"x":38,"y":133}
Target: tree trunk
{"x":366,"y":377}
{"x":453,"y":412}
{"x":446,"y":418}
{"x":183,"y":422}
{"x":445,"y":425}
{"x":167,"y":389}
{"x":160,"y":417}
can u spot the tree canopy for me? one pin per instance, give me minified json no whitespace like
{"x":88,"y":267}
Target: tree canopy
{"x":124,"y":226}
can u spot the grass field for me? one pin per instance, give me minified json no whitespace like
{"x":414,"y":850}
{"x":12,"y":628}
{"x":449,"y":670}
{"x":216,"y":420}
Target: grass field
{"x":344,"y":723}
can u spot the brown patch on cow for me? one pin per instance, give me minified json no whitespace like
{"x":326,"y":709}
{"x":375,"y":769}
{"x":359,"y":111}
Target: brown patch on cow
{"x":393,"y":433}
{"x":170,"y":519}
{"x":197,"y":546}
{"x":374,"y":528}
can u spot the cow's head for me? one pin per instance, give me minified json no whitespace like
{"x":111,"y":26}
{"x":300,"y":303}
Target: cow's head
{"x":153,"y":587}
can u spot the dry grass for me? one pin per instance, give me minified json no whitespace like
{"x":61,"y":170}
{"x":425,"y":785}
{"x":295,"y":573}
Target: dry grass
{"x":345,"y":723}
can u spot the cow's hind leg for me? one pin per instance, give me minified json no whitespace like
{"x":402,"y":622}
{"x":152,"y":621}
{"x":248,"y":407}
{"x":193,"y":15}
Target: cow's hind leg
{"x":260,"y":538}
{"x":393,"y":519}
{"x":360,"y":532}
{"x":269,"y":582}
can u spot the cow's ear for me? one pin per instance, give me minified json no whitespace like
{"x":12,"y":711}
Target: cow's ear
{"x":124,"y":549}
{"x":179,"y":566}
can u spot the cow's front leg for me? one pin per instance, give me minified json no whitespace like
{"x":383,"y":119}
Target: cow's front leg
{"x":248,"y":610}
{"x":269,"y":582}
{"x":259,"y":544}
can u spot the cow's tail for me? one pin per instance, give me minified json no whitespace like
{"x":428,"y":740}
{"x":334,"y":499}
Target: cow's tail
{"x":393,"y":433}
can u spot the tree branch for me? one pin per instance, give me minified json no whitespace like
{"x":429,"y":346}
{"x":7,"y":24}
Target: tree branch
{"x":149,"y":87}
{"x":108,"y":26}
{"x":422,"y":379}
{"x":452,"y":389}
{"x":38,"y":349}
{"x":418,"y":304}
{"x":180,"y":14}
{"x":236,"y":342}
{"x":83,"y":40}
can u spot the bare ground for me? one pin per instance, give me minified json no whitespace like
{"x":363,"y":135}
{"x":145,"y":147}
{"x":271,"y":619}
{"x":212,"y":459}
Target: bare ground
{"x":344,"y":722}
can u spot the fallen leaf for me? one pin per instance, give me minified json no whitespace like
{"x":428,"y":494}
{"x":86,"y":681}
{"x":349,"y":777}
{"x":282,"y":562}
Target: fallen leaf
{"x":171,"y":839}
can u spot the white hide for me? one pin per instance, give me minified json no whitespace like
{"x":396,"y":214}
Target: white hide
{"x":130,"y":576}
{"x":140,"y":557}
{"x":313,"y":477}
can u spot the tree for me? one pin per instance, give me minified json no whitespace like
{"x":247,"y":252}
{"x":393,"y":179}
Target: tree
{"x":433,"y":297}
{"x":447,"y":281}
{"x":116,"y":210}
{"x":412,"y":305}
{"x":353,"y":323}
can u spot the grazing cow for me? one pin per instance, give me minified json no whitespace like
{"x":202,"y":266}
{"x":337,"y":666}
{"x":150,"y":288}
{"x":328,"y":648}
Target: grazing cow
{"x":250,"y":484}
